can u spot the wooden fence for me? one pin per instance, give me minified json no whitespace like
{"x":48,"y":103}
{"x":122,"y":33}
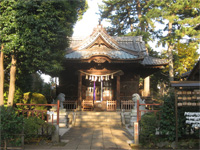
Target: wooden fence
{"x":111,"y":105}
{"x":88,"y":105}
{"x":70,"y":104}
{"x":28,"y":112}
{"x":127,"y":105}
{"x":139,"y":112}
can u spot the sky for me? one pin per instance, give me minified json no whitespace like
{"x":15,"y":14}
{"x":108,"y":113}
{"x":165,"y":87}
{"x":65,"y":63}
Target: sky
{"x":90,"y":20}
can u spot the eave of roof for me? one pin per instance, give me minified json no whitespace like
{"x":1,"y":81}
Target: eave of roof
{"x":185,"y":84}
{"x":196,"y":69}
{"x":112,"y":54}
{"x":149,"y":61}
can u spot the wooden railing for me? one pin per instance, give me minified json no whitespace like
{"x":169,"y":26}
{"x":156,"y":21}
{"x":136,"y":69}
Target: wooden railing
{"x":127,"y":105}
{"x":139,"y":112}
{"x":88,"y":105}
{"x":29,"y":112}
{"x":70,"y":104}
{"x":111,"y":105}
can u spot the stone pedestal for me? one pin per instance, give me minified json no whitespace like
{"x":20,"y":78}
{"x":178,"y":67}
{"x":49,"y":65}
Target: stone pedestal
{"x":63,"y":117}
{"x":133,"y":117}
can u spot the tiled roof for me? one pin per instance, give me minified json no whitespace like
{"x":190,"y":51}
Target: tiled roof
{"x":99,"y":43}
{"x":148,"y":60}
{"x":112,"y":54}
{"x":132,"y":43}
{"x":126,"y":42}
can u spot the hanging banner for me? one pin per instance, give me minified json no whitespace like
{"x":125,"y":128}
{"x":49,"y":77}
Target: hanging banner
{"x":193,"y":118}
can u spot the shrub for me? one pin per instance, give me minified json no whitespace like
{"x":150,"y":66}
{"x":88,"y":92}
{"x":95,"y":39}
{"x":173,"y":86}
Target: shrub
{"x":167,"y":122}
{"x":33,"y":98}
{"x":148,"y":125}
{"x":34,"y":128}
{"x":11,"y":125}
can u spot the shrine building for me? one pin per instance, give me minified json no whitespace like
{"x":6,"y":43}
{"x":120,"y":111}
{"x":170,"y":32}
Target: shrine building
{"x":103,"y":67}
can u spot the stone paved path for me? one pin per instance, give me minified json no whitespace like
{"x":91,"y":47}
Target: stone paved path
{"x":92,"y":139}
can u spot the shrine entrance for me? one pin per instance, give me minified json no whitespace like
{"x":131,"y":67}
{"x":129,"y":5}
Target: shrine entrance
{"x":100,"y":86}
{"x":99,"y":90}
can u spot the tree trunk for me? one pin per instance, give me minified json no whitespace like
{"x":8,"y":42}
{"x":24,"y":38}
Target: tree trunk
{"x":12,"y":81}
{"x":170,"y":55}
{"x":1,"y":76}
{"x":139,"y":12}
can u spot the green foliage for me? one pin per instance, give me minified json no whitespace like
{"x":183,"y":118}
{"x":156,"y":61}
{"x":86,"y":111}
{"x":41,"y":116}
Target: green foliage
{"x":185,"y":58}
{"x":18,"y":95}
{"x":36,"y":34}
{"x":35,"y":98}
{"x":148,"y":124}
{"x":35,"y":31}
{"x":126,"y":14}
{"x":10,"y":125}
{"x":167,"y":122}
{"x":33,"y":128}
{"x":158,"y":79}
{"x":139,"y":17}
{"x":37,"y":83}
{"x":181,"y":16}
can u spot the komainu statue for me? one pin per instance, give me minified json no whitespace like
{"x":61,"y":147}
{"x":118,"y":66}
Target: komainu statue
{"x":60,"y":97}
{"x":136,"y":97}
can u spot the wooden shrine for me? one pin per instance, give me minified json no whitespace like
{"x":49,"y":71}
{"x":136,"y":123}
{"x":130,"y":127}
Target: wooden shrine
{"x":103,"y":67}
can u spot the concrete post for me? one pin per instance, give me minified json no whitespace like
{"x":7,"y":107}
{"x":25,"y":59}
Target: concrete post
{"x":55,"y":135}
{"x":136,"y":133}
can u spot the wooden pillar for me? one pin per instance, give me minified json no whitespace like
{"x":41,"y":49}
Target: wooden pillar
{"x":118,"y":92}
{"x":146,"y":87}
{"x":176,"y":115}
{"x":79,"y":90}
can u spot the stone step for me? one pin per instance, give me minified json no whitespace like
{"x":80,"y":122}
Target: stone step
{"x":97,"y":126}
{"x":98,"y":113}
{"x":99,"y":119}
{"x":97,"y":123}
{"x":93,"y":119}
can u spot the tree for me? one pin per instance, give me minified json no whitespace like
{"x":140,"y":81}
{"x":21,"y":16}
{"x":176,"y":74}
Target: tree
{"x":1,"y":76}
{"x":181,"y":16}
{"x":127,"y":14}
{"x":185,"y":58}
{"x":34,"y":35}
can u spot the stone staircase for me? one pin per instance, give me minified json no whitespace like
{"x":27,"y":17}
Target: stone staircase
{"x":97,"y":119}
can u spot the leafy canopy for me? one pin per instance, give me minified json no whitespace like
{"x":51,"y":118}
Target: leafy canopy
{"x":36,"y":31}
